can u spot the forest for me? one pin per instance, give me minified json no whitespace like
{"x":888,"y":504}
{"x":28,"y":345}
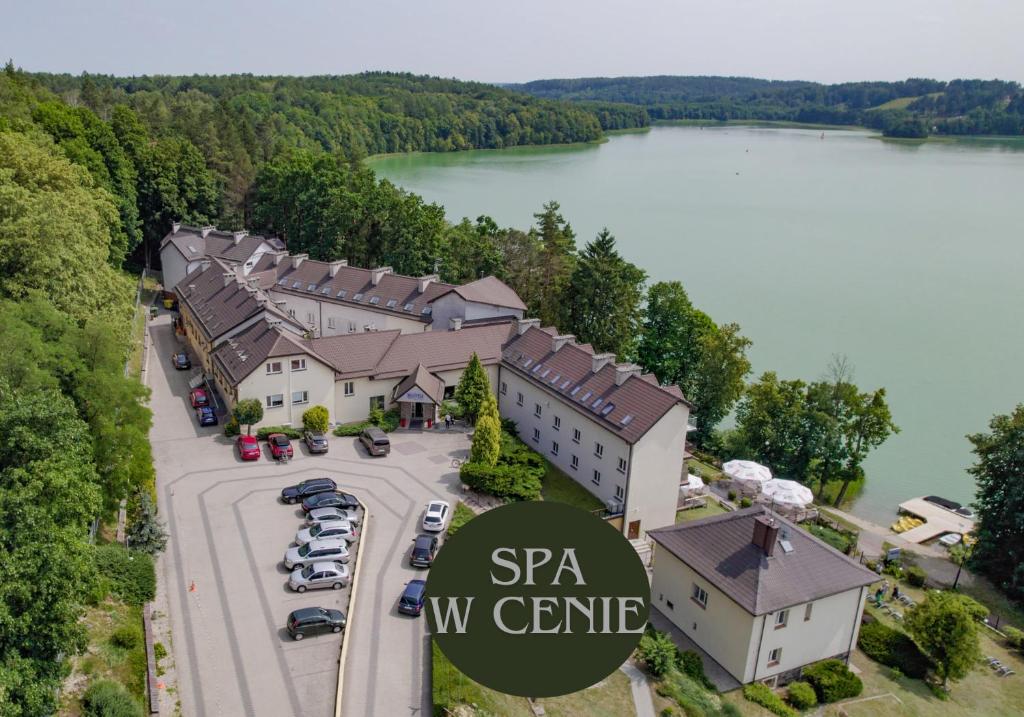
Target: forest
{"x":910,"y":108}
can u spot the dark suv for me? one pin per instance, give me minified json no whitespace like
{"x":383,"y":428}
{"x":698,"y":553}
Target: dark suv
{"x":423,"y":551}
{"x":313,"y":620}
{"x":180,"y":361}
{"x":411,"y":602}
{"x":336,"y":499}
{"x":295,"y":493}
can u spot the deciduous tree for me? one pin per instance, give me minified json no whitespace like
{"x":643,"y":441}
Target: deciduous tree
{"x":945,"y":625}
{"x":247,"y":412}
{"x":316,"y":418}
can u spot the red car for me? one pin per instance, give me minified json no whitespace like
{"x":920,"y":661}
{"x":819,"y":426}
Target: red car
{"x":280,"y":446}
{"x":198,"y":398}
{"x":248,"y":448}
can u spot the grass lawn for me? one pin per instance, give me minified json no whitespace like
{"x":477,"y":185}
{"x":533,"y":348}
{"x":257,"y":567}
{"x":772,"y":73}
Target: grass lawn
{"x":704,"y":470}
{"x":712,"y":508}
{"x":611,"y":697}
{"x":560,"y":488}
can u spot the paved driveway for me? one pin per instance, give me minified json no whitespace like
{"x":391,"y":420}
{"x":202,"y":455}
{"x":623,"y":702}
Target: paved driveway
{"x":226,"y":586}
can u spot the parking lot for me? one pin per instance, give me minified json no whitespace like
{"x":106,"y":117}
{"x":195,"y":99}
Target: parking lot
{"x":227,"y":588}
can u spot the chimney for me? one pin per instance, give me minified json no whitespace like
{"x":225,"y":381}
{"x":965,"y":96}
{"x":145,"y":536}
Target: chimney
{"x":239,"y":235}
{"x":559,"y":341}
{"x":424,"y":281}
{"x":335,"y":265}
{"x":766,"y":531}
{"x":261,"y":300}
{"x":206,"y":230}
{"x":523,"y":324}
{"x":624,"y":371}
{"x":297,"y":259}
{"x":377,"y":274}
{"x":599,"y":361}
{"x":175,"y":226}
{"x":205,"y":264}
{"x":455,"y":323}
{"x":278,"y":256}
{"x":229,"y":276}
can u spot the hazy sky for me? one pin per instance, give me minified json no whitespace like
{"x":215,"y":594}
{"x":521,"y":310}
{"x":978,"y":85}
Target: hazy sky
{"x":820,"y":40}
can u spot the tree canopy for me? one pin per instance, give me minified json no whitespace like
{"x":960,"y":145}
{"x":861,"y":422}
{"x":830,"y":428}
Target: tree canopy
{"x":945,"y":625}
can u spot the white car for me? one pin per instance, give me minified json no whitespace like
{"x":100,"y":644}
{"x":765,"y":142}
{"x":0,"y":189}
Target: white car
{"x":950,"y":539}
{"x":437,"y":515}
{"x":334,"y":550}
{"x":341,"y":529}
{"x":323,"y":515}
{"x":319,"y":575}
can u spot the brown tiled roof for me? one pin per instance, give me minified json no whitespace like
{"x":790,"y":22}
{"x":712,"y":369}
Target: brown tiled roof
{"x":427,"y":382}
{"x":355,"y":355}
{"x":221,"y":244}
{"x":349,"y":281}
{"x":216,"y":307}
{"x":720,"y":549}
{"x":489,"y":290}
{"x":444,"y":350}
{"x":636,"y":405}
{"x":245,"y":352}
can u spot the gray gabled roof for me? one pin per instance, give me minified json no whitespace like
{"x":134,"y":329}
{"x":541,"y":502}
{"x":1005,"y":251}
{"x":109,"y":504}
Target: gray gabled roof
{"x":720,"y":549}
{"x":422,"y":379}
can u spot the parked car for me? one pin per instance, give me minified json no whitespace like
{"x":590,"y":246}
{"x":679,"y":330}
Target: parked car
{"x":411,"y":602}
{"x":206,"y":416}
{"x":181,"y":361}
{"x":314,"y":620}
{"x":321,"y":531}
{"x":316,"y":551}
{"x":295,"y":493}
{"x":376,"y":441}
{"x":437,"y":515}
{"x":316,"y":441}
{"x":424,"y":549}
{"x":950,"y":539}
{"x":319,"y":575}
{"x":337,"y":499}
{"x":326,"y":515}
{"x":248,"y":448}
{"x":280,"y":446}
{"x":198,"y":398}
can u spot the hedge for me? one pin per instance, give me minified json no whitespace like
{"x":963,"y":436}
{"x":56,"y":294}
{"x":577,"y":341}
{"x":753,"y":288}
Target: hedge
{"x":763,"y":695}
{"x":130,"y":575}
{"x":832,"y":681}
{"x":106,"y":698}
{"x":515,"y":482}
{"x":693,"y":697}
{"x":292,"y":433}
{"x":1014,"y":637}
{"x":386,"y":421}
{"x":916,"y":576}
{"x":893,"y":648}
{"x":801,"y":695}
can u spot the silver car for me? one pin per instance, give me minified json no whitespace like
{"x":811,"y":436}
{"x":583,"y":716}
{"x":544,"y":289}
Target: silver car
{"x":319,"y":575}
{"x":316,"y":551}
{"x":329,"y":529}
{"x":324,"y":515}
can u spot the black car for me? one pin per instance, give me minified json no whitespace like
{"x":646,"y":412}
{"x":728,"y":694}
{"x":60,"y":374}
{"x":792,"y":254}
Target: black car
{"x":411,"y":602}
{"x":295,"y":493}
{"x":313,"y":620}
{"x":337,"y":499}
{"x":206,"y":416}
{"x":316,"y":441}
{"x":423,"y":551}
{"x":181,"y":361}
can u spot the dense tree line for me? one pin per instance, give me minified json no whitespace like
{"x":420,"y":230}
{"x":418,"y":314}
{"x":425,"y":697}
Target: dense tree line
{"x":910,"y":108}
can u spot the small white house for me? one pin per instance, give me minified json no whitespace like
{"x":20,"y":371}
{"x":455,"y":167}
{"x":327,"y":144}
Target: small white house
{"x":760,"y":596}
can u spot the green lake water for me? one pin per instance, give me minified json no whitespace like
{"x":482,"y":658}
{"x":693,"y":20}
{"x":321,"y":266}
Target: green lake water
{"x":908,"y":258}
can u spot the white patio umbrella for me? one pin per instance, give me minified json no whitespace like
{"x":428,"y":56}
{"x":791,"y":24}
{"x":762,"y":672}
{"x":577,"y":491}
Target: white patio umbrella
{"x":787,"y":493}
{"x":692,"y":484}
{"x":747,"y":472}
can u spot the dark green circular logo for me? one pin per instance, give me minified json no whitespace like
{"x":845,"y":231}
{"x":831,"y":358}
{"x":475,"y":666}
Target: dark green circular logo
{"x":537,"y":599}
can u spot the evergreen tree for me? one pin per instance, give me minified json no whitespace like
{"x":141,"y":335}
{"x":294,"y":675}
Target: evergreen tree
{"x":487,"y":433}
{"x":473,"y":388}
{"x":146,"y":533}
{"x":557,"y":262}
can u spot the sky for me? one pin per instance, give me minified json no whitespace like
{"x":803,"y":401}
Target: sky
{"x":518,"y":41}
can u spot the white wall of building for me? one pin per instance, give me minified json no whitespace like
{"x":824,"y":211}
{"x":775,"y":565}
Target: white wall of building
{"x":317,"y":379}
{"x":333,"y":319}
{"x":657,"y":466}
{"x":356,"y":407}
{"x":451,"y":305}
{"x":173,"y":266}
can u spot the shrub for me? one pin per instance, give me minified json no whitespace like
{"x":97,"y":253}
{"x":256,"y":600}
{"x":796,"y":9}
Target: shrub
{"x":801,"y":695}
{"x":516,"y":482}
{"x":127,"y":637}
{"x":871,"y":565}
{"x":509,"y":426}
{"x":691,"y":664}
{"x":145,"y":530}
{"x":667,"y":712}
{"x":832,"y":681}
{"x":386,"y":421}
{"x":451,"y":408}
{"x":688,"y":694}
{"x":292,"y":433}
{"x":1014,"y":637}
{"x":658,"y":652}
{"x":130,"y":575}
{"x":105,"y":698}
{"x":351,"y":429}
{"x":893,"y":648}
{"x":730,"y":710}
{"x":916,"y":576}
{"x":745,"y":502}
{"x":247,"y":412}
{"x":159,"y":651}
{"x":763,"y":695}
{"x":893,"y":569}
{"x":231,"y":428}
{"x":460,"y":517}
{"x":732,"y":496}
{"x":316,"y":418}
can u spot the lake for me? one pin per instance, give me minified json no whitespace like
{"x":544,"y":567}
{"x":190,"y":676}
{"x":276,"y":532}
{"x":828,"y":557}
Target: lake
{"x":907,"y":258}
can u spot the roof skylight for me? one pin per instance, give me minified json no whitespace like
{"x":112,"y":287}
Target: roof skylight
{"x":527,"y":362}
{"x":325,"y":290}
{"x":575,"y":391}
{"x":408,"y":307}
{"x":297,"y":284}
{"x":392,"y":303}
{"x":358,"y":296}
{"x":537,"y":367}
{"x":311,"y":287}
{"x":427,"y":310}
{"x":374,"y":300}
{"x":566,"y":384}
{"x":586,"y":397}
{"x":283,"y":281}
{"x":608,"y":408}
{"x":596,"y":403}
{"x":627,"y":419}
{"x":342,"y":293}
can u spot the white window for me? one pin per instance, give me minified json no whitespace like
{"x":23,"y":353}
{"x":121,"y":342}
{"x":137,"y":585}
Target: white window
{"x":620,"y":492}
{"x":781,"y":618}
{"x":598,"y":449}
{"x":298,"y":364}
{"x":775,"y":656}
{"x":300,"y":397}
{"x":554,"y":448}
{"x":519,"y":399}
{"x":597,"y":478}
{"x":536,"y":435}
{"x":557,"y":424}
{"x":273,"y":367}
{"x":575,"y":462}
{"x":536,"y":410}
{"x":807,"y":611}
{"x":622,"y":465}
{"x":275,"y":401}
{"x":700,"y":595}
{"x":291,"y":312}
{"x":309,"y":317}
{"x":330,"y":322}
{"x":351,"y":327}
{"x":350,"y":388}
{"x":504,"y":388}
{"x":575,"y":435}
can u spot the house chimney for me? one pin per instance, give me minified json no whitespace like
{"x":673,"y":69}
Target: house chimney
{"x":206,"y":230}
{"x":561,"y":340}
{"x":335,"y":265}
{"x":229,"y":276}
{"x":205,"y":264}
{"x":240,"y":235}
{"x":175,"y":226}
{"x":424,"y":281}
{"x":766,"y":531}
{"x":624,"y":371}
{"x":599,"y":361}
{"x":297,"y":259}
{"x":523,"y":324}
{"x":455,"y":323}
{"x":377,"y":274}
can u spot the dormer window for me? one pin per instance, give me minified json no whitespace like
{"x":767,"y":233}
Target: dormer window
{"x":427,"y":310}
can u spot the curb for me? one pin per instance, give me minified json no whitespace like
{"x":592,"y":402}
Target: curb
{"x":351,"y":609}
